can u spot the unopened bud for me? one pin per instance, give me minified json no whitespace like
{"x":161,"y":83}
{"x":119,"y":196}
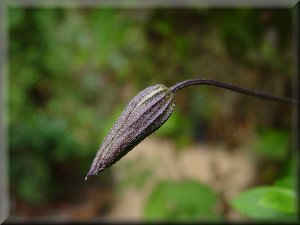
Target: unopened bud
{"x":143,"y":115}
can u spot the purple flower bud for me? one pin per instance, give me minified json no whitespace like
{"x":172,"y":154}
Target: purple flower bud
{"x":143,"y":115}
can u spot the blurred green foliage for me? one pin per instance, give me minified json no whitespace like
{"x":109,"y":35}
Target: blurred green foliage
{"x":71,"y":72}
{"x":56,"y":110}
{"x":177,"y":126}
{"x":269,"y":203}
{"x":46,"y":144}
{"x":276,"y":201}
{"x":272,"y":144}
{"x":184,"y":201}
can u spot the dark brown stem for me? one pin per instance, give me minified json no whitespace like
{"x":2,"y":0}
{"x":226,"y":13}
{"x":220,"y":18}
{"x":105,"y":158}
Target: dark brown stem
{"x":258,"y":94}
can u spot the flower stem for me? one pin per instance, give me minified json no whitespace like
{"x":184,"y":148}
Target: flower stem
{"x":258,"y":94}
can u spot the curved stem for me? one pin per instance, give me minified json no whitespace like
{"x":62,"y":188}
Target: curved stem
{"x":258,"y":94}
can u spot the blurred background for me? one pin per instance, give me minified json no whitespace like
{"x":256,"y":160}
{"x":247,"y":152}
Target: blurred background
{"x":73,"y":70}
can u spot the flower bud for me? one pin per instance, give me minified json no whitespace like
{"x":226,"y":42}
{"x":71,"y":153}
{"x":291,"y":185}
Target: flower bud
{"x":143,"y":115}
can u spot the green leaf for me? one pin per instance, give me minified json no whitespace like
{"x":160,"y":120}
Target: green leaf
{"x":281,"y":199}
{"x":249,"y":203}
{"x":185,"y":200}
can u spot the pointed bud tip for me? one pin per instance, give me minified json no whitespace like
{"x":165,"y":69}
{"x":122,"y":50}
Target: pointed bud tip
{"x":93,"y":173}
{"x":89,"y":176}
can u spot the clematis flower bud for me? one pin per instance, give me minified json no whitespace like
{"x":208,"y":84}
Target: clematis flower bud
{"x":143,"y":115}
{"x":146,"y":112}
